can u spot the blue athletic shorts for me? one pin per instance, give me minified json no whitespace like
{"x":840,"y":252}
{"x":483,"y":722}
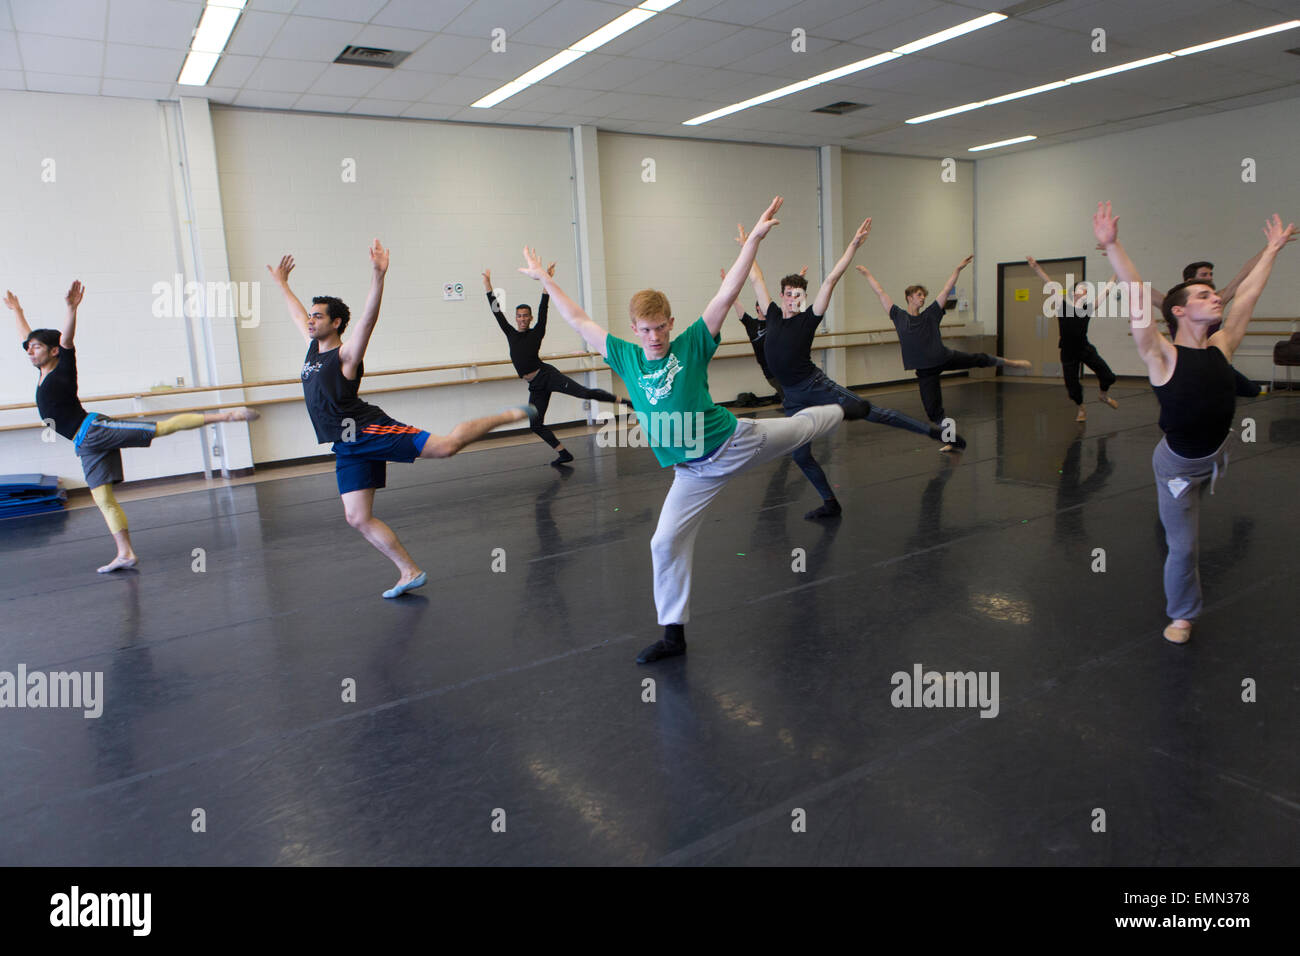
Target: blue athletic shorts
{"x":360,"y":464}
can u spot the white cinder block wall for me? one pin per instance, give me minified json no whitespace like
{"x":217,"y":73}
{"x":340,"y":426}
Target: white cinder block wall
{"x":447,"y":199}
{"x":1178,"y":191}
{"x":921,"y":227}
{"x":106,"y":218}
{"x":676,"y":233}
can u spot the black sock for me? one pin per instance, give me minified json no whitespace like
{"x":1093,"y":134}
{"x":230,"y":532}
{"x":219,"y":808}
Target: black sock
{"x":675,"y":634}
{"x":564,"y":458}
{"x":830,"y":509}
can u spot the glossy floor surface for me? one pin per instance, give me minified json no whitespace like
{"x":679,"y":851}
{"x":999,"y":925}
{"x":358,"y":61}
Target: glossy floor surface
{"x":499,"y":717}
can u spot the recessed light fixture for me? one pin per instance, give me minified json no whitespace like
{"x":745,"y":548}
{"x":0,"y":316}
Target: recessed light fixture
{"x":592,"y":41}
{"x":209,"y":41}
{"x":942,"y":36}
{"x":1097,"y":74}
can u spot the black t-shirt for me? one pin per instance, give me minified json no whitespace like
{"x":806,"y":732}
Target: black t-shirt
{"x":1198,"y":401}
{"x":918,"y":336}
{"x":331,"y":397}
{"x":56,"y":396}
{"x":787,"y":346}
{"x":525,"y":347}
{"x":1073,"y":321}
{"x":756,"y":329}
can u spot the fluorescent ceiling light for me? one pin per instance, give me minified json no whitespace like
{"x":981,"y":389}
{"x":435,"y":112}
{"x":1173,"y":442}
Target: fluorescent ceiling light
{"x":1123,"y":67}
{"x":198,"y":67}
{"x":961,"y":29}
{"x":934,"y":38}
{"x":210,"y":39}
{"x":1277,"y":28}
{"x":1085,"y":77}
{"x":592,"y":41}
{"x":1005,"y":142}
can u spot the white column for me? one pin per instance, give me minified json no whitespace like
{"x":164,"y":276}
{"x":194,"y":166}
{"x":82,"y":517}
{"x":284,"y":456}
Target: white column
{"x":832,"y":218}
{"x":590,"y":237}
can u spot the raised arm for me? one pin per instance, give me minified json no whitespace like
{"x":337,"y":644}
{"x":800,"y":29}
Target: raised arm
{"x":69,"y":330}
{"x":1230,"y":290}
{"x":1248,"y":292}
{"x":24,"y":330}
{"x":1155,"y":350}
{"x":717,"y":310}
{"x":493,"y":304}
{"x":942,"y":297}
{"x":823,"y":300}
{"x":570,"y":311}
{"x":885,"y":301}
{"x":740,"y":310}
{"x":354,"y":349}
{"x":755,"y":275}
{"x":1047,"y":280}
{"x":544,"y":305}
{"x":280,"y":274}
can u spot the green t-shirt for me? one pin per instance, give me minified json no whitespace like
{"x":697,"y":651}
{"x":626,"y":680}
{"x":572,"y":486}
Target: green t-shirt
{"x":671,"y":395}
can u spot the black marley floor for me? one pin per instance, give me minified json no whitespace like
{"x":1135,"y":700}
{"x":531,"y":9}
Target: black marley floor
{"x":513,"y":697}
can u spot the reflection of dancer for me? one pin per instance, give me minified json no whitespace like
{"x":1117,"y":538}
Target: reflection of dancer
{"x":705,"y":444}
{"x":922,"y":343}
{"x":542,"y":378}
{"x":1073,"y":491}
{"x":1193,"y":381}
{"x":98,"y":439}
{"x":790,"y":331}
{"x":1072,"y":315}
{"x":364,"y":438}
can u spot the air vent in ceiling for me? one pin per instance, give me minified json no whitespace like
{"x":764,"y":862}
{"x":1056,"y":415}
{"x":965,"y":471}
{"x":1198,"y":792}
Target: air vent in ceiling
{"x":842,"y":107}
{"x":371,"y":56}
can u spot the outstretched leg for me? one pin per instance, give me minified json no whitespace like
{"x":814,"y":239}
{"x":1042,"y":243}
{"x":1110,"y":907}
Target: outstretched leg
{"x":1105,"y":377}
{"x":188,"y":420}
{"x":444,"y":446}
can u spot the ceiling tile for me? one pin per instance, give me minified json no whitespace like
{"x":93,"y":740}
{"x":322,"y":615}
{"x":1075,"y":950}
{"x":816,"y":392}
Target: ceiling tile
{"x":123,"y":61}
{"x":359,"y":11}
{"x":430,"y":15}
{"x":163,"y":23}
{"x":284,"y":76}
{"x":59,"y":83}
{"x":50,"y":55}
{"x":310,"y":38}
{"x":137,"y":89}
{"x":254,"y":32}
{"x":344,"y":80}
{"x":86,"y":19}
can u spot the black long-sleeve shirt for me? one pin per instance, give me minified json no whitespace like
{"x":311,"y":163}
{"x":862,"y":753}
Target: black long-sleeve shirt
{"x":524,"y":346}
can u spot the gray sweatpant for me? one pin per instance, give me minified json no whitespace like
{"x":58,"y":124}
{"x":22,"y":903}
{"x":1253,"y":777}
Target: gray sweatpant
{"x":695,"y":485}
{"x":1180,"y":483}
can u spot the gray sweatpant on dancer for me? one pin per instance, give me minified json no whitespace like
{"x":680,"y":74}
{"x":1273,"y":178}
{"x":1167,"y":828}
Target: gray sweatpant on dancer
{"x":696,"y":484}
{"x":1180,"y":483}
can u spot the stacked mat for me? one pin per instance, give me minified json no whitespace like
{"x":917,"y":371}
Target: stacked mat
{"x":30,"y":495}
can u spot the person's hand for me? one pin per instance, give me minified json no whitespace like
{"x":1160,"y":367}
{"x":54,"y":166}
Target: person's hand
{"x":741,"y":235}
{"x":767,"y":220}
{"x":487,"y":279}
{"x":281,"y":272}
{"x":379,"y":257}
{"x":965,"y":262}
{"x":1033,"y":263}
{"x":550,"y":270}
{"x":75,"y":293}
{"x":11,"y":300}
{"x":532,"y":267}
{"x":1276,"y":234}
{"x":723,"y":272}
{"x":860,"y":236}
{"x":863,"y":270}
{"x":1105,"y":226}
{"x":803,"y":270}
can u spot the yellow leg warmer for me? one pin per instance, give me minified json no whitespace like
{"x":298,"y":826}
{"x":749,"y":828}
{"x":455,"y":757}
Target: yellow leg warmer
{"x":108,"y":506}
{"x":179,"y":423}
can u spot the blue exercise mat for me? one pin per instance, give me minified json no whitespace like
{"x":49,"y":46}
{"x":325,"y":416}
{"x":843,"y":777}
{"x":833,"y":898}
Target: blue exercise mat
{"x":30,"y":495}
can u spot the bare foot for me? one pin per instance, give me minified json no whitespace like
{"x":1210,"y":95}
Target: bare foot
{"x":119,"y":563}
{"x":245,"y":415}
{"x":1082,"y":416}
{"x":1107,"y":400}
{"x":1178,"y":632}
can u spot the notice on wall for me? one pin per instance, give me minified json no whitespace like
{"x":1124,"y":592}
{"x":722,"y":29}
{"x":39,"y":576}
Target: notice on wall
{"x":1022,"y":295}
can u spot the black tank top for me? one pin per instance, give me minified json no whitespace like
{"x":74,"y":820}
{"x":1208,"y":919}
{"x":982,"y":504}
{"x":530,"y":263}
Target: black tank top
{"x":56,"y":396}
{"x":1198,"y":402}
{"x":331,"y":398}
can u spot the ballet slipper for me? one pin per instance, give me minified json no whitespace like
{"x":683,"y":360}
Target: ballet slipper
{"x":397,"y":590}
{"x":1176,"y":634}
